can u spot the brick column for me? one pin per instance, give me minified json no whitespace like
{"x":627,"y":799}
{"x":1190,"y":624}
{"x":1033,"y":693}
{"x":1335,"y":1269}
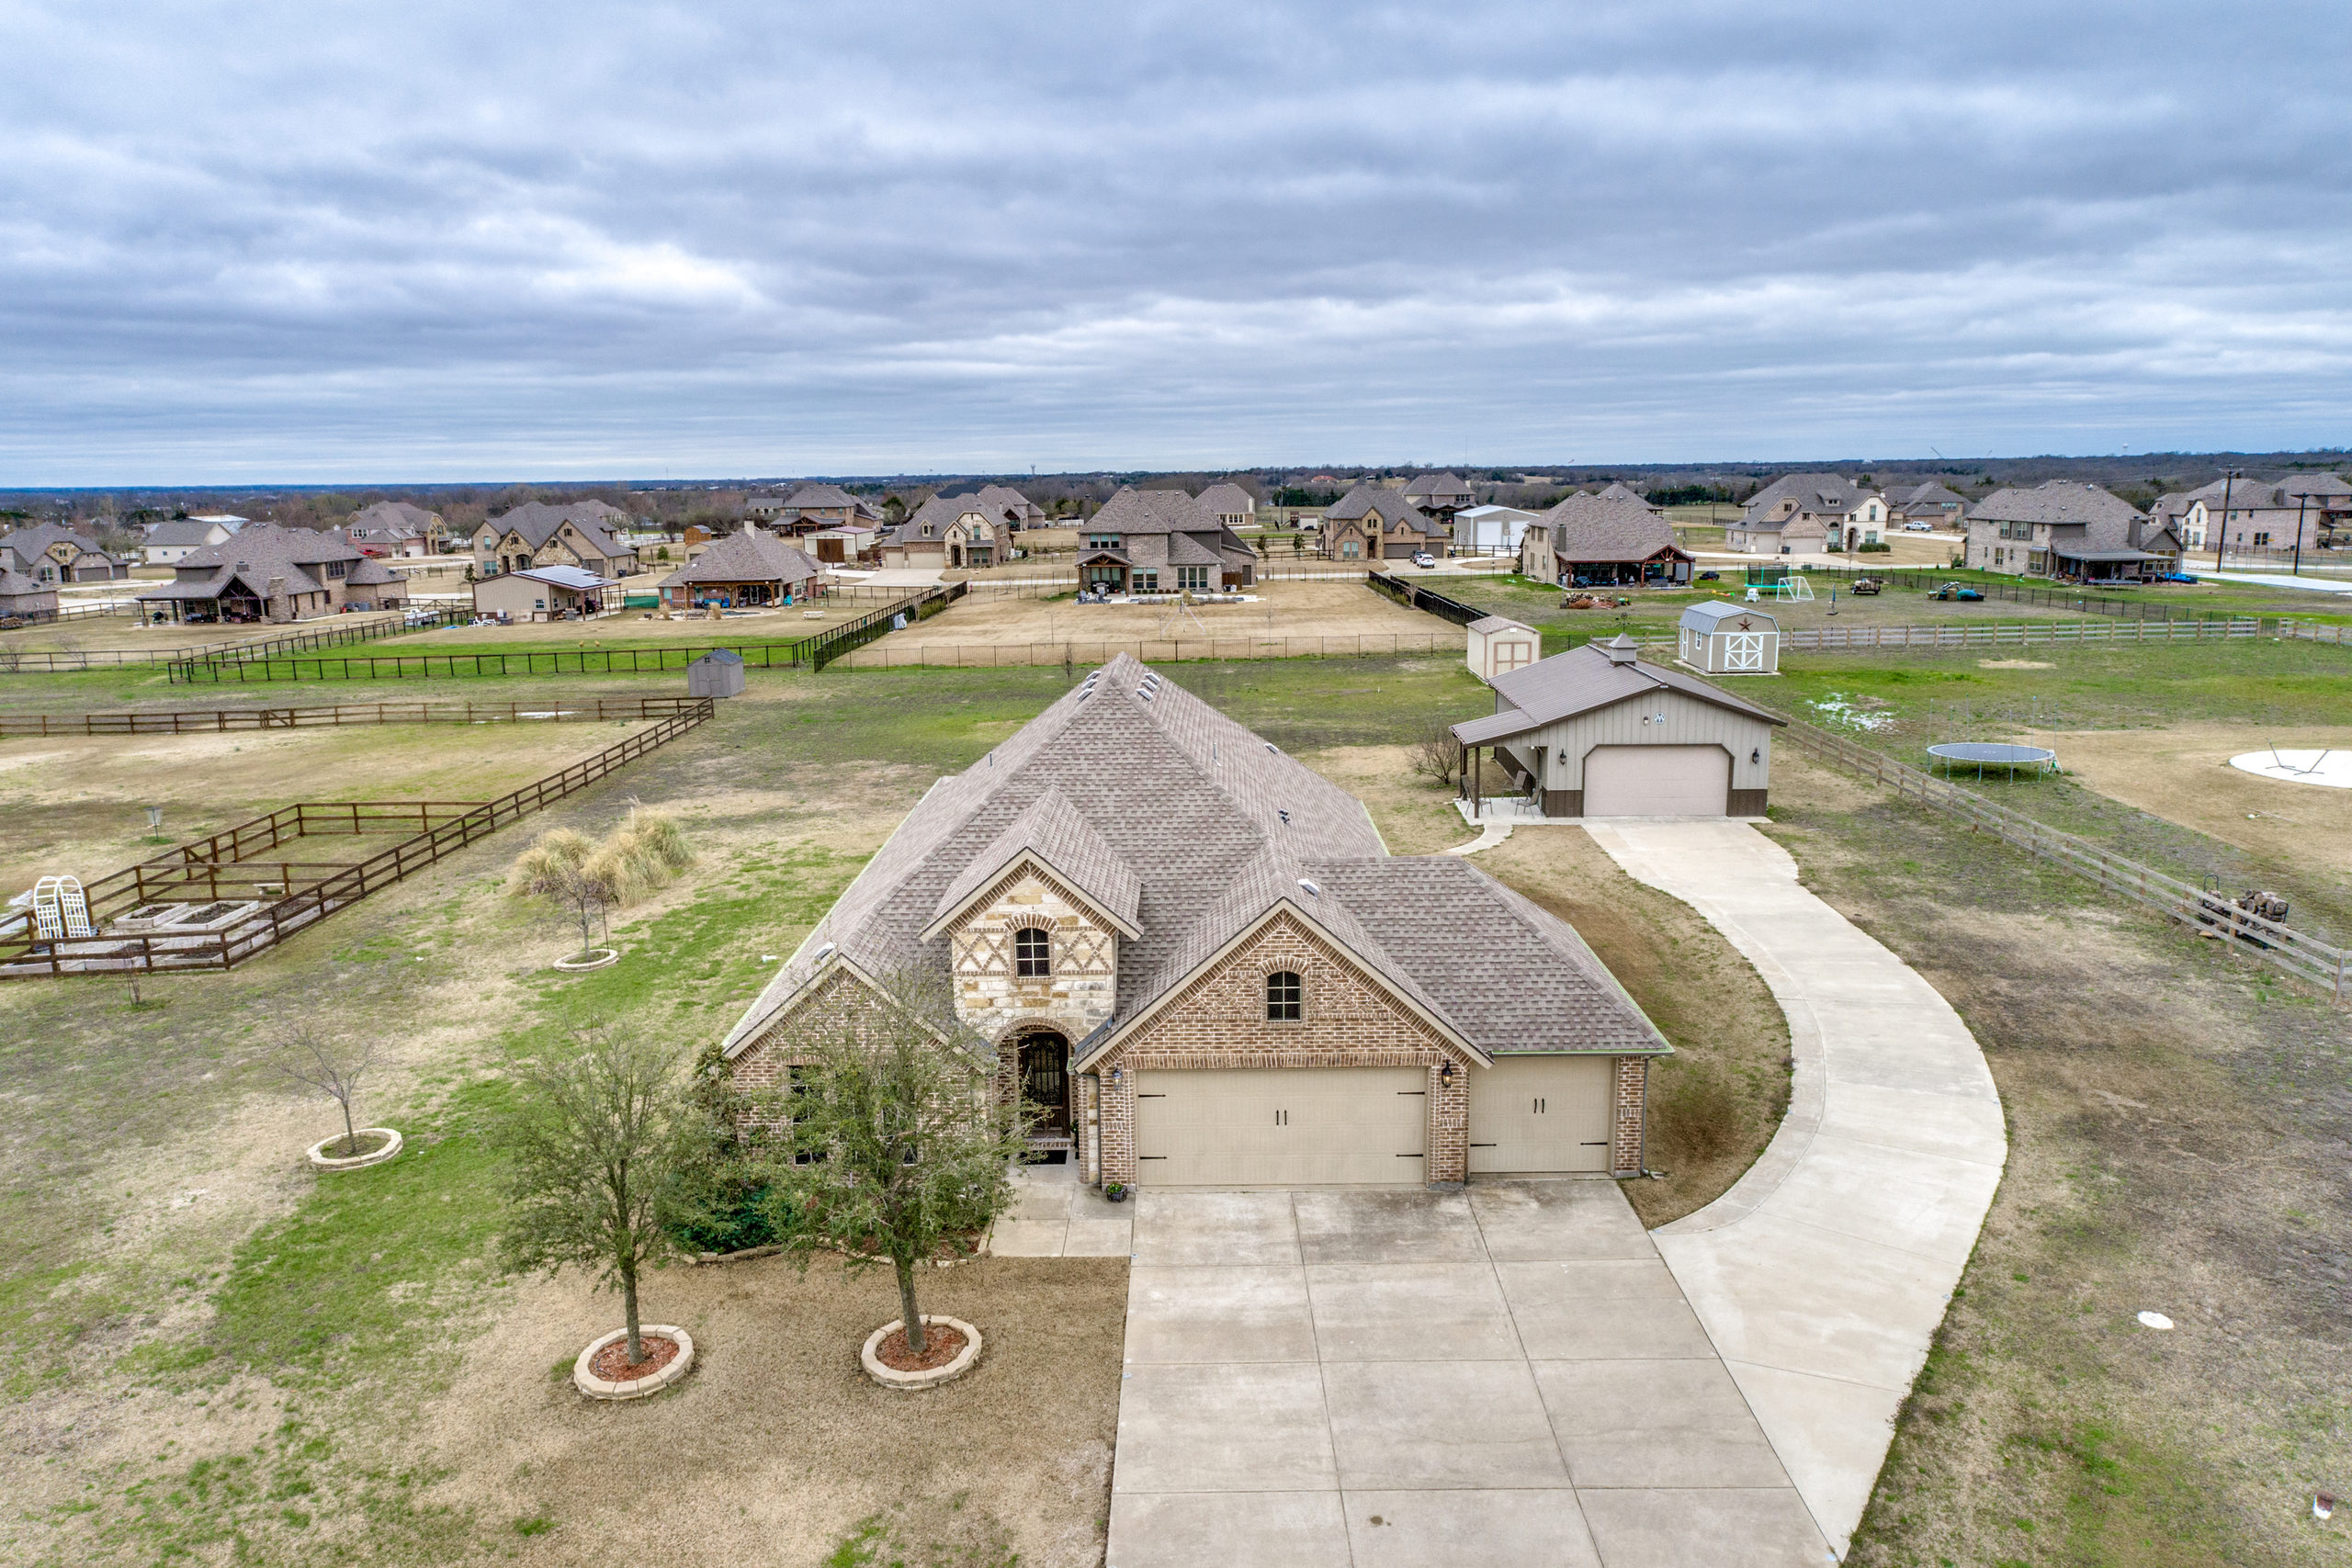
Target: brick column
{"x":1087,"y":1105}
{"x":1633,"y":1079}
{"x":1448,"y":1164}
{"x":1118,"y":1128}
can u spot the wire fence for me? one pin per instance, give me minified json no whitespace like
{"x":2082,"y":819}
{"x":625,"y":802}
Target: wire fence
{"x":2018,"y":634}
{"x":39,"y":661}
{"x":895,"y":655}
{"x":2302,"y":955}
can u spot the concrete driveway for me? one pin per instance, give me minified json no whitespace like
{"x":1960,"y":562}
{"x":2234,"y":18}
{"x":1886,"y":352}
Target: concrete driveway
{"x":1400,"y":1379}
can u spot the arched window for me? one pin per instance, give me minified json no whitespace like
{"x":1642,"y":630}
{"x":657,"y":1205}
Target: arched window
{"x":1032,"y":954}
{"x":1282,"y":993}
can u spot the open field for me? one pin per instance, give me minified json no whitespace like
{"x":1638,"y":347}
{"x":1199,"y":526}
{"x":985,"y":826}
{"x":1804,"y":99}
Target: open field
{"x":633,"y":628}
{"x":1283,"y":609}
{"x":2177,"y":1144}
{"x":126,"y":632}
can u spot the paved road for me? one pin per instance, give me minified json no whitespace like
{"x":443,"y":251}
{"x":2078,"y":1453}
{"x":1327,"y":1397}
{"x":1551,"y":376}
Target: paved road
{"x":1822,"y":1275}
{"x":1502,"y":1377}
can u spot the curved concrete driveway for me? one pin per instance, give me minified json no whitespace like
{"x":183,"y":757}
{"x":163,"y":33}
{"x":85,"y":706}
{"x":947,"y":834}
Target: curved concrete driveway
{"x":1822,"y":1274}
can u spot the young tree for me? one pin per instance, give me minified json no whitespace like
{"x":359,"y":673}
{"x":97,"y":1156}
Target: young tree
{"x":893,"y":1140}
{"x":605,"y":1148}
{"x":332,"y":1066}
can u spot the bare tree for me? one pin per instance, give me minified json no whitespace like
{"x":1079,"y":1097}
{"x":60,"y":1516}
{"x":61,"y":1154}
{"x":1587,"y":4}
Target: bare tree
{"x":604,"y":1148}
{"x":896,"y":1143}
{"x":1437,"y":754}
{"x":334,"y":1066}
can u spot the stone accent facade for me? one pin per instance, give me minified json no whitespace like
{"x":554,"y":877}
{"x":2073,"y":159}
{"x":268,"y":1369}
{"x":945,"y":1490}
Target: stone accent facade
{"x":1631,"y":1089}
{"x":1077,"y":997}
{"x":1348,"y":1020}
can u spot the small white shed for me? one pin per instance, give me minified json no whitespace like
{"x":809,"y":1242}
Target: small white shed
{"x":1721,"y":638}
{"x":1497,"y":647}
{"x":718,"y":673}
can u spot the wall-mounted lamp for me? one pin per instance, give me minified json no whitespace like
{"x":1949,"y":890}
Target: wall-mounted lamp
{"x":1756,"y":754}
{"x":1117,"y":1073}
{"x":1445,"y":1074}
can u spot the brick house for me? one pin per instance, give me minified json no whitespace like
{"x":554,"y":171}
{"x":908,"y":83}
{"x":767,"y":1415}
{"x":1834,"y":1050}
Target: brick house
{"x":1375,"y":522}
{"x":262,"y":574}
{"x":584,"y":534}
{"x":1808,"y":512}
{"x":2068,"y":528}
{"x":959,"y":533}
{"x":1196,"y":964}
{"x":751,"y":566}
{"x":52,"y":552}
{"x":1161,"y":541}
{"x":1603,"y":538}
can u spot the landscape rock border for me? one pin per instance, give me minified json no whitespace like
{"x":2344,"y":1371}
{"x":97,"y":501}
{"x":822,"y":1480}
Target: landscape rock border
{"x":601,"y":958}
{"x":594,"y":1387}
{"x":320,"y":1160}
{"x":889,"y":1377}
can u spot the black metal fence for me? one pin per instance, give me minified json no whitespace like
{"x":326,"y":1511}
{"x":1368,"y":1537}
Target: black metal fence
{"x":1413,"y":596}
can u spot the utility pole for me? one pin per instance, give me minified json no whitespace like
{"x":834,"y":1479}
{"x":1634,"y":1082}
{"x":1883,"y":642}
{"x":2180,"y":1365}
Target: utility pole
{"x":2221,"y":539}
{"x":2302,"y":501}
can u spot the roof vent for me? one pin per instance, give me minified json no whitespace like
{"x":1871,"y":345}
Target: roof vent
{"x":1620,"y":650}
{"x":1272,"y":747}
{"x":822,"y":953}
{"x":1312,"y":890}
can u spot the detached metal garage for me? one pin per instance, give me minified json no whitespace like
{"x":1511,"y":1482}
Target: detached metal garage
{"x":1282,"y":1127}
{"x":1539,"y":1115}
{"x":1595,"y":732}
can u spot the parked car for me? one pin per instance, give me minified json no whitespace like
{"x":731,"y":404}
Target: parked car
{"x":2177,"y":576}
{"x":1423,"y":559}
{"x":1710,"y":577}
{"x":1956,"y":590}
{"x":1918,"y":527}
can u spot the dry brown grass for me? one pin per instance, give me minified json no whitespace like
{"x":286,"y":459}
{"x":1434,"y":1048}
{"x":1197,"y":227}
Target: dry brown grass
{"x":777,"y":1447}
{"x":1282,"y":609}
{"x":2178,"y":1143}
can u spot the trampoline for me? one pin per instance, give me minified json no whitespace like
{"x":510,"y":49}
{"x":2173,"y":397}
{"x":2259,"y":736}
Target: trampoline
{"x":1994,"y":754}
{"x":2329,"y":770}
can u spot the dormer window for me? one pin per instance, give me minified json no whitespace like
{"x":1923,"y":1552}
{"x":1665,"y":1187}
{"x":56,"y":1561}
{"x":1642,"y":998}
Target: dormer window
{"x":1032,"y":954}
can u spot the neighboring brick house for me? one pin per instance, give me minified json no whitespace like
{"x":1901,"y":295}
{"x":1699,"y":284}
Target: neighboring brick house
{"x":1160,"y":541}
{"x":1931,"y":504}
{"x":1011,"y":507}
{"x":52,"y":552}
{"x":2068,"y":528}
{"x":21,"y":597}
{"x":585,"y":535}
{"x":1229,"y":504}
{"x":1196,"y":964}
{"x":1618,"y":490}
{"x":751,"y":566}
{"x":396,"y":528}
{"x":1588,"y":539}
{"x":1806,"y":513}
{"x":949,"y":533}
{"x":264,"y":574}
{"x":2257,"y":514}
{"x":1373,"y":522}
{"x":814,"y":506}
{"x":1440,"y":496}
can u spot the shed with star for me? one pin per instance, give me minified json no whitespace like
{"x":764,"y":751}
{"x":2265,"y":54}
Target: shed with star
{"x":1723,"y":638}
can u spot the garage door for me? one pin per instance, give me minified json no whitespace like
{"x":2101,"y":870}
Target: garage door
{"x":1282,"y":1127}
{"x":1656,"y":781}
{"x":1540,"y":1113}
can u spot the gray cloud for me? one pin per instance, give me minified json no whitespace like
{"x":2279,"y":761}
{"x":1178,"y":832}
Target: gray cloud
{"x":287,"y":240}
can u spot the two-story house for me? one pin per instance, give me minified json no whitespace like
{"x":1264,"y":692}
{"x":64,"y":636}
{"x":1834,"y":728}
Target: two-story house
{"x":262,"y":574}
{"x":53,"y":553}
{"x":948,"y":532}
{"x":170,"y":541}
{"x":1942,"y":508}
{"x":585,"y":534}
{"x":2067,"y":528}
{"x":1373,"y":522}
{"x":1803,"y":513}
{"x":2257,"y":514}
{"x":813,"y":506}
{"x":1160,"y":541}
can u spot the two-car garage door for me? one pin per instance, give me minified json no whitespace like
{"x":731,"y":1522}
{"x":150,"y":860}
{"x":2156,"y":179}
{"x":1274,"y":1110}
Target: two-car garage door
{"x":1364,"y":1126}
{"x":1282,"y":1127}
{"x":1656,"y":781}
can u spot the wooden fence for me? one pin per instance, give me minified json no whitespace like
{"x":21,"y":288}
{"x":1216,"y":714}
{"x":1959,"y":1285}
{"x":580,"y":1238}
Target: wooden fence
{"x":1369,"y":645}
{"x":2305,"y":957}
{"x":191,"y":721}
{"x":19,"y":661}
{"x":2016,"y":634}
{"x":293,"y":894}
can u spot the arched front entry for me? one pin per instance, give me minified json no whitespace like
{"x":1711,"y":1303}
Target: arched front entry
{"x":1042,"y":1065}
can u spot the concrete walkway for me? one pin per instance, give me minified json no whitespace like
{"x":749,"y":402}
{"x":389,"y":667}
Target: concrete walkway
{"x":1505,"y":1377}
{"x":1822,"y":1275}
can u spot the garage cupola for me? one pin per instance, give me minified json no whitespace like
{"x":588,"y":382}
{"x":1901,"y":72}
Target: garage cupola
{"x":1622,"y":650}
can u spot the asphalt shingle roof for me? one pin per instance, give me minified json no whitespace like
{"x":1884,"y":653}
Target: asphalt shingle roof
{"x":1577,"y":681}
{"x":1130,"y":776}
{"x":1601,"y":528}
{"x":751,"y":555}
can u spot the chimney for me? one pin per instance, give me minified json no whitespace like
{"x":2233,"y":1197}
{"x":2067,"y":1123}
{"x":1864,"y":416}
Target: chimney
{"x":279,"y":609}
{"x":1620,"y":650}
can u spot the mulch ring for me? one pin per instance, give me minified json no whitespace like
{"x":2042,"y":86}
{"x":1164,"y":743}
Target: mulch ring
{"x":613,"y":1365}
{"x":941,"y":1345}
{"x":360,"y":1143}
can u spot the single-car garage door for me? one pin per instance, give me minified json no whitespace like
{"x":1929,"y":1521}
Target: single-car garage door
{"x":1540,"y":1113}
{"x":1656,"y":781}
{"x":1282,"y":1127}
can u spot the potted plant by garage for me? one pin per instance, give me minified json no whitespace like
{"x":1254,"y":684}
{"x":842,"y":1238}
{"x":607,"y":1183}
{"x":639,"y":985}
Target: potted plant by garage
{"x":605,"y":1146}
{"x":335,"y":1066}
{"x":895,"y":1146}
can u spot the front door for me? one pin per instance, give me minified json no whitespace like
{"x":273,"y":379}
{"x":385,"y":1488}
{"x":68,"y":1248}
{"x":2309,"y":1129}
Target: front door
{"x":1045,"y":1083}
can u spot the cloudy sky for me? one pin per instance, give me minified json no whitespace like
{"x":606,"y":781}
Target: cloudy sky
{"x":436,"y":240}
